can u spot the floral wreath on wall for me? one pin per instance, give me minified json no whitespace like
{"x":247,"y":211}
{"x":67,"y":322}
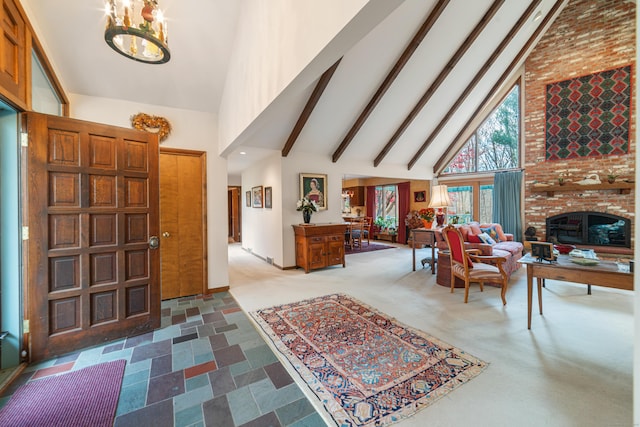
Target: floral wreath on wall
{"x":153,"y":124}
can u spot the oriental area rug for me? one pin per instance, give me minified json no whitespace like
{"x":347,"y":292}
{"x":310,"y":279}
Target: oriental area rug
{"x":367,"y":248}
{"x":86,"y":397}
{"x":365,"y":368}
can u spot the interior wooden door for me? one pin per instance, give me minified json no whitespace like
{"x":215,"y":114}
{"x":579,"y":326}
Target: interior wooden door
{"x":183,"y":223}
{"x":92,"y":213}
{"x":234,"y":213}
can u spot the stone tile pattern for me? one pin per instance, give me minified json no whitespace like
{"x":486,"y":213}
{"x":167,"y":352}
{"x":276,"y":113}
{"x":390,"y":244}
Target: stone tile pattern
{"x":206,"y":366}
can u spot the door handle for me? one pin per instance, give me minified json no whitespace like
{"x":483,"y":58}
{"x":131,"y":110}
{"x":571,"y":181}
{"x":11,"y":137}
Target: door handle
{"x":166,"y":234}
{"x":154,"y":242}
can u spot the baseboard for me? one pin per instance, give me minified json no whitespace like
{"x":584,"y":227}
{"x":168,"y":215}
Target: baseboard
{"x":217,"y":290}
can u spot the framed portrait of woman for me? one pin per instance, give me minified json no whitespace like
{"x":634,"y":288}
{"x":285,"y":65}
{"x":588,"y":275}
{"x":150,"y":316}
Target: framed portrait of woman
{"x":313,"y":186}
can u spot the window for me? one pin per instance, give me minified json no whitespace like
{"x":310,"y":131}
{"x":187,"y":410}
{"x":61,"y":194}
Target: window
{"x":461,"y":209}
{"x":386,"y":206}
{"x":495,"y":144}
{"x":44,"y":98}
{"x":486,"y":203}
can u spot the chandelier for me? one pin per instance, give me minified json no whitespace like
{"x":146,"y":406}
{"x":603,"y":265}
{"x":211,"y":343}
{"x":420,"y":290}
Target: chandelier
{"x":136,"y":29}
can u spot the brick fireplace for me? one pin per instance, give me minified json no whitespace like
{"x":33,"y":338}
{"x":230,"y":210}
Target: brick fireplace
{"x":587,"y":37}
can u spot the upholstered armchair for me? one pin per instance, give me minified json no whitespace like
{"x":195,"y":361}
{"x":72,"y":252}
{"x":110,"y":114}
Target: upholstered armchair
{"x":469,"y":266}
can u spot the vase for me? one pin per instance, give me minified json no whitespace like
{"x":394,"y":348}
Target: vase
{"x":427,"y":224}
{"x":306,"y":217}
{"x":611,"y":180}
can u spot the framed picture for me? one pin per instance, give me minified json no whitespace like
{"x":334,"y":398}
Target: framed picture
{"x":257,"y":196}
{"x":267,"y":197}
{"x":419,"y":196}
{"x":314,"y":187}
{"x":248,"y":199}
{"x":542,"y":251}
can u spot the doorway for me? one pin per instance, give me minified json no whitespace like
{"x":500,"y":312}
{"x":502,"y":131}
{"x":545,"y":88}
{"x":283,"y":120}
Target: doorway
{"x":10,"y":239}
{"x":183,"y":229}
{"x":235,"y":220}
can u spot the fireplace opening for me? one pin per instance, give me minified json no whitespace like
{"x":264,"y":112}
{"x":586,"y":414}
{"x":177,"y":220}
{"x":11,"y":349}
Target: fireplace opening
{"x":589,"y":228}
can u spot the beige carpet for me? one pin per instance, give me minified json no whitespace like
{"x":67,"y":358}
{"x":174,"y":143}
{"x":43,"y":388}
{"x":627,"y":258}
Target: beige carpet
{"x":574,"y":368}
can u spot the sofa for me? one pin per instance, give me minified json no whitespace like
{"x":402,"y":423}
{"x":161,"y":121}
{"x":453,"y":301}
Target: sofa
{"x":503,"y":244}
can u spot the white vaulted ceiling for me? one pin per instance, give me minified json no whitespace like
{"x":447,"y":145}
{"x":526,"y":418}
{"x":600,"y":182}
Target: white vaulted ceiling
{"x":202,"y":35}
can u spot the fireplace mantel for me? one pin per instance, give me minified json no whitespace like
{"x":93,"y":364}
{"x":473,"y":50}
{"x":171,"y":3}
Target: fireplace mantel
{"x":621,"y":186}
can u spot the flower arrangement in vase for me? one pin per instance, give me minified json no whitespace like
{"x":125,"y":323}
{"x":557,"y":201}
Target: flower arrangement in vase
{"x":427,"y":215}
{"x":307,"y":207}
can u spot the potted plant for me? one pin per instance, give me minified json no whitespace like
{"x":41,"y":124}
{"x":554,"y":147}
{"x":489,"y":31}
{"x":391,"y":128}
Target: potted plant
{"x":307,"y":207}
{"x":611,"y":176}
{"x":427,"y":215}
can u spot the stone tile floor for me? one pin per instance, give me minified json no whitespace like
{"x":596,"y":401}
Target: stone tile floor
{"x":206,"y":366}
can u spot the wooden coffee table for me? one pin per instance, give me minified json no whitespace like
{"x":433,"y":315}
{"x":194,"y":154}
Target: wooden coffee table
{"x":605,"y":273}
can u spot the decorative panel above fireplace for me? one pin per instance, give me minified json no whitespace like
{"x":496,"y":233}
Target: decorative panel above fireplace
{"x":589,"y":228}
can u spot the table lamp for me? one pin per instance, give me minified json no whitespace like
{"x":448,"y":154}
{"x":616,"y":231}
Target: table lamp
{"x":439,"y":200}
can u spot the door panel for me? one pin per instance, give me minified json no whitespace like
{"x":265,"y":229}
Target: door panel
{"x":92,"y":207}
{"x":183,"y":223}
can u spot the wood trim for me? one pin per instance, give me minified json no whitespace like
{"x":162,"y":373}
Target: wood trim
{"x":31,"y":42}
{"x":205,"y":245}
{"x":308,"y":108}
{"x":217,"y":290}
{"x":448,"y":68}
{"x":471,"y":86}
{"x":447,"y":155}
{"x":391,"y":77}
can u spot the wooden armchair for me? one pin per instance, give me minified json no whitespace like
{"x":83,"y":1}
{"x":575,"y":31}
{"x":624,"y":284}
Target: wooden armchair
{"x":470,"y":267}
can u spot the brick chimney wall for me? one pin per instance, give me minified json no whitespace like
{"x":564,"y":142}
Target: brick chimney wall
{"x":587,"y":37}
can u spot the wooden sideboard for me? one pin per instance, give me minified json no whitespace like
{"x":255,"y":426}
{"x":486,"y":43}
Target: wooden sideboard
{"x":319,"y":245}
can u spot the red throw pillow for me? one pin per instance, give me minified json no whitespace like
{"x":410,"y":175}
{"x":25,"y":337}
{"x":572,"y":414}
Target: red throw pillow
{"x":472,"y":238}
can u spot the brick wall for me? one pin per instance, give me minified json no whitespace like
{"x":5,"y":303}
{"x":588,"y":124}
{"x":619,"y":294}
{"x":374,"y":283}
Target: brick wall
{"x":588,"y":36}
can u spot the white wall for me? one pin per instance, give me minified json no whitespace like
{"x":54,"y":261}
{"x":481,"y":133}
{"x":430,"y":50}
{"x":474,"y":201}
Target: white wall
{"x":191,"y":130}
{"x":287,"y":44}
{"x":261,"y":227}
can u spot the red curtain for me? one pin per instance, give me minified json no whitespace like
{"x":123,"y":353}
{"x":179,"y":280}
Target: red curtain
{"x":371,"y":201}
{"x":403,"y":210}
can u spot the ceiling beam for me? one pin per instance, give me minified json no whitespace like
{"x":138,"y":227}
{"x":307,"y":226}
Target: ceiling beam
{"x":471,"y":86}
{"x":510,"y":69}
{"x":308,"y":108}
{"x":441,"y":77}
{"x":391,"y":77}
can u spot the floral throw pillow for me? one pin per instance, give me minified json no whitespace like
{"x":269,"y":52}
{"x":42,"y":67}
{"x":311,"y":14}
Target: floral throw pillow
{"x":492,"y":232}
{"x":486,"y":238}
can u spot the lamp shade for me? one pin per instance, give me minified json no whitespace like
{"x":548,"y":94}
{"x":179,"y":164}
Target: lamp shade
{"x":439,"y":197}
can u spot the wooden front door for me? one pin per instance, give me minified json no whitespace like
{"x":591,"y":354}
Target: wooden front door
{"x":183,"y":223}
{"x":92,"y":213}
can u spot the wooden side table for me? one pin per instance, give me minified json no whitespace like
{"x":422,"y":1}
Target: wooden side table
{"x":444,"y":271}
{"x":424,"y":236}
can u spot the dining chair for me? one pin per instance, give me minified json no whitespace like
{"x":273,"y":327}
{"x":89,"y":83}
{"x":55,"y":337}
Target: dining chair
{"x":368,"y":222}
{"x":357,"y":230}
{"x":471,"y":267}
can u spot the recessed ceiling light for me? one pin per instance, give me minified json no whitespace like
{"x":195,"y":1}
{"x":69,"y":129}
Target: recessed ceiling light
{"x":243,"y":153}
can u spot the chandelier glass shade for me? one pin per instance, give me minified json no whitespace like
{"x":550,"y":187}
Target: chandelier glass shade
{"x":137,"y":30}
